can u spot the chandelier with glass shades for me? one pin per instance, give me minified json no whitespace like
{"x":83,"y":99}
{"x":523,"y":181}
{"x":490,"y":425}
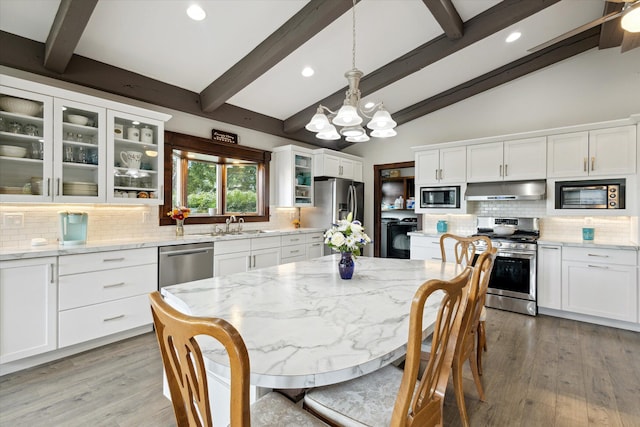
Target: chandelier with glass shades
{"x":348,"y":117}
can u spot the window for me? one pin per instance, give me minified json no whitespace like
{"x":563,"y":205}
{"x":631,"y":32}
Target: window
{"x":215,"y":180}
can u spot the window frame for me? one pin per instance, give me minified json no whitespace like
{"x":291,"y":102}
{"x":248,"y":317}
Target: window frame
{"x":180,"y":141}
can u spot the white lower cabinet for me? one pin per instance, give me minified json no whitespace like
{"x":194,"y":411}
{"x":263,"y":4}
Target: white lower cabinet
{"x":549,"y":276}
{"x":314,"y":245}
{"x":428,"y":247}
{"x":28,"y":308}
{"x":236,"y":256}
{"x":600,"y":282}
{"x":104,"y":293}
{"x":293,"y":248}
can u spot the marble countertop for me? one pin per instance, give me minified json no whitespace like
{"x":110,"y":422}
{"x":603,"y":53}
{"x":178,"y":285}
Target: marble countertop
{"x":8,"y":254}
{"x":303,"y":326}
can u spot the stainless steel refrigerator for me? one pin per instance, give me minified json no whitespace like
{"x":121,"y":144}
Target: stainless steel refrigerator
{"x":334,"y":198}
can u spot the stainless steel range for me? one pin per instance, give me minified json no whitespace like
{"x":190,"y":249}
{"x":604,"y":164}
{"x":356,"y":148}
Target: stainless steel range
{"x":512,"y":285}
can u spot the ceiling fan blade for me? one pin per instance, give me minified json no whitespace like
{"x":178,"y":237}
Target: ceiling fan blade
{"x":577,"y":30}
{"x":630,"y":41}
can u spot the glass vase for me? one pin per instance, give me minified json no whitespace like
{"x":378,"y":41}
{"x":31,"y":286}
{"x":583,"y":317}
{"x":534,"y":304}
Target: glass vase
{"x":179,"y":227}
{"x":346,"y":265}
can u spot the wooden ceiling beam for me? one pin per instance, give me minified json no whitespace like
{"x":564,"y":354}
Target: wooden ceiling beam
{"x":516,"y":69}
{"x":305,"y":24}
{"x":27,"y":55}
{"x":447,"y":16}
{"x":611,"y":32}
{"x":67,"y":28}
{"x":497,"y":18}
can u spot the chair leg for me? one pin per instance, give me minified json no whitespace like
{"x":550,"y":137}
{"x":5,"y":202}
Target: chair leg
{"x":459,"y":391}
{"x":482,"y":345}
{"x":476,"y":375}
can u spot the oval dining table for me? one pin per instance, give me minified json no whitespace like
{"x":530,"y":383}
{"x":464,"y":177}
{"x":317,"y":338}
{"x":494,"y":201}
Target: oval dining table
{"x":304,"y":326}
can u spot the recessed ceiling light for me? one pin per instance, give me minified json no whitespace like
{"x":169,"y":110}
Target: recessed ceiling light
{"x":513,"y":36}
{"x":307,"y":71}
{"x":196,"y":13}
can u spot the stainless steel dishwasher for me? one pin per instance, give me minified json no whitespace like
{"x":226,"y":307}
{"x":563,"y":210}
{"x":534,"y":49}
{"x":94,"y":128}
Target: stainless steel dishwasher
{"x":184,"y":263}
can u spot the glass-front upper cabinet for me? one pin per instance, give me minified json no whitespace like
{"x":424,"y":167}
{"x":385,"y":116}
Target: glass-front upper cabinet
{"x":135,"y":160}
{"x":80,"y":152}
{"x":26,"y":145}
{"x":304,"y":179}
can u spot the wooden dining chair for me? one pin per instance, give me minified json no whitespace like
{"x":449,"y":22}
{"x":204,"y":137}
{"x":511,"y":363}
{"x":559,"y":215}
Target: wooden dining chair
{"x":185,"y":371}
{"x":466,"y":348}
{"x":464,"y":250}
{"x":369,"y":399}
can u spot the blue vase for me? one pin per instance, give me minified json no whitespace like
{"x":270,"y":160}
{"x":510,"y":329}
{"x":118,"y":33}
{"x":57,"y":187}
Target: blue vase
{"x":346,"y":265}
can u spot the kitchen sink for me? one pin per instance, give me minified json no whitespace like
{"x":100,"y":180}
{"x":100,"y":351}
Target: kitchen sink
{"x":236,"y":233}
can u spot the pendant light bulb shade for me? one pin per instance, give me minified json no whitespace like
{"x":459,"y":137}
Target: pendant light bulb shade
{"x":381,"y":121}
{"x":631,"y":20}
{"x":383,"y":133}
{"x":329,"y":134}
{"x":318,"y":122}
{"x":352,"y":131}
{"x":362,"y":138}
{"x":347,"y":116}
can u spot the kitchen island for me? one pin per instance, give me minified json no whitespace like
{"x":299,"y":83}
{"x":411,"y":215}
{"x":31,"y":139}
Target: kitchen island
{"x":304,"y":327}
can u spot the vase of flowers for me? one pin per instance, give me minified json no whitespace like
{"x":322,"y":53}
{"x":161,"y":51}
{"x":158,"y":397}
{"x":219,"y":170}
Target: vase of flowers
{"x":179,"y":214}
{"x":347,"y":237}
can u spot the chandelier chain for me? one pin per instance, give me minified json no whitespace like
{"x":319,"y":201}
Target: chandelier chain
{"x":354,"y":35}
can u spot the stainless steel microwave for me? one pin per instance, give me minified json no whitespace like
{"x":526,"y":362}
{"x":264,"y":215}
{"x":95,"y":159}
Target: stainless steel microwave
{"x":594,"y":194}
{"x":440,"y":197}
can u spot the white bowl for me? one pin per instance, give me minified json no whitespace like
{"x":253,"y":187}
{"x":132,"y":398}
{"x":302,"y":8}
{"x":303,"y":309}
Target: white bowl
{"x":504,"y":229}
{"x":77,"y":120}
{"x":12,"y":151}
{"x":20,"y":106}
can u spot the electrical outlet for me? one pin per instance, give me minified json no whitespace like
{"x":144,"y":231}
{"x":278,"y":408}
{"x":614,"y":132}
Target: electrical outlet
{"x":13,"y":220}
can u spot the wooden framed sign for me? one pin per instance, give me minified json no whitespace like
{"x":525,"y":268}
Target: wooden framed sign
{"x":222,"y":136}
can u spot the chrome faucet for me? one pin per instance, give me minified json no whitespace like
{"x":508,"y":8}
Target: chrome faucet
{"x":240,"y":222}
{"x":228,"y":221}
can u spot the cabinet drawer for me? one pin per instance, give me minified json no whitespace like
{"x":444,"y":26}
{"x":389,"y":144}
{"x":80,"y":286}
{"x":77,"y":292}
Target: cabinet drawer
{"x":293,"y":251}
{"x":314,"y":237}
{"x":82,"y":263}
{"x":231,"y":246}
{"x":95,"y":321}
{"x":606,"y":256}
{"x":265,"y":242}
{"x":293,"y":239}
{"x":425,"y":242}
{"x":78,"y":290}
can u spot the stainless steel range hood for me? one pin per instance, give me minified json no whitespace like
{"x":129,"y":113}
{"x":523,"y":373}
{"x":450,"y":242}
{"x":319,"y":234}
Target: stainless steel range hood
{"x":514,"y":190}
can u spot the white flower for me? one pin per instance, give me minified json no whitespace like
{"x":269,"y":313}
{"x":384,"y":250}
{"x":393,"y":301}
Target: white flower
{"x":337,"y":239}
{"x":347,"y":236}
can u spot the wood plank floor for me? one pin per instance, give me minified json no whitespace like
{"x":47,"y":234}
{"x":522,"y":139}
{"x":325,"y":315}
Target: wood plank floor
{"x":539,"y":371}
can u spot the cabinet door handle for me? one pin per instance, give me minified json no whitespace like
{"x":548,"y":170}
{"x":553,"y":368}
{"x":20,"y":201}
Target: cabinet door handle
{"x":108,"y":319}
{"x":315,"y":244}
{"x":440,"y":173}
{"x":113,"y":259}
{"x":584,"y":164}
{"x":293,"y":240}
{"x":549,"y":247}
{"x":48,"y":186}
{"x":113,"y":285}
{"x":505,"y":170}
{"x":58,"y":187}
{"x":51,"y":271}
{"x":593,"y":163}
{"x":500,"y":170}
{"x":439,"y":259}
{"x":254,"y":261}
{"x":436,"y":174}
{"x":599,"y":256}
{"x":604,"y":267}
{"x":295,"y":252}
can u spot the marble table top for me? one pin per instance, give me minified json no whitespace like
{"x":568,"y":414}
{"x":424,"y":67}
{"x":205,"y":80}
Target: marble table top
{"x":304,"y":326}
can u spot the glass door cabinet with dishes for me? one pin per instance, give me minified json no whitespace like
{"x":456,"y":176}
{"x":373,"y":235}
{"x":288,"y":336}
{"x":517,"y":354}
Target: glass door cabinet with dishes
{"x":66,"y":147}
{"x":136,"y":160}
{"x":26,"y":145}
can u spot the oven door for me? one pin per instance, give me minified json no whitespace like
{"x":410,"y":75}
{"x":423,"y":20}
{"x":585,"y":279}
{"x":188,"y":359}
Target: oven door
{"x":514,"y":275}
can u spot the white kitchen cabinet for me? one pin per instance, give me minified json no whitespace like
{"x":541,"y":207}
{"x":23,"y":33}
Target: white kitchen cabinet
{"x":337,"y":165}
{"x":237,"y":256}
{"x":549,"y":276}
{"x":104,"y":293}
{"x":600,"y":152}
{"x":509,"y":161}
{"x":428,"y":248}
{"x":28,"y":308}
{"x":293,"y":173}
{"x":600,"y":282}
{"x":136,"y":159}
{"x":294,"y":248}
{"x":314,"y":245}
{"x":446,"y":165}
{"x":18,"y":166}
